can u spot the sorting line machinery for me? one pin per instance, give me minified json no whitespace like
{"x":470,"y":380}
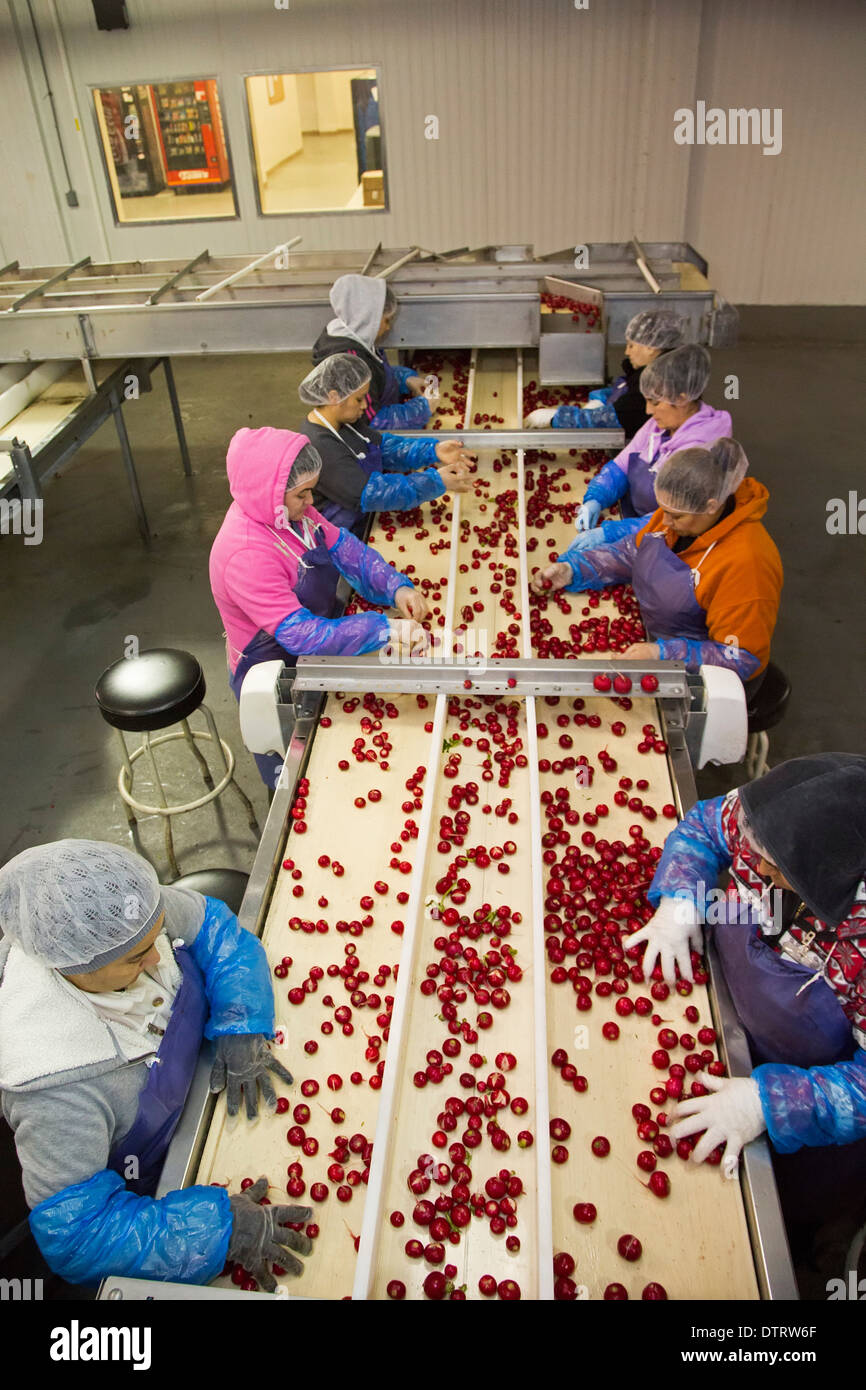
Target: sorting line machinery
{"x":710,"y":1238}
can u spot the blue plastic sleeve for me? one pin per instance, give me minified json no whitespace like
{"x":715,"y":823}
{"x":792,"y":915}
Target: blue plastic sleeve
{"x":616,"y":527}
{"x":601,"y":567}
{"x":707,"y":653}
{"x":575,"y":417}
{"x":402,"y":374}
{"x":695,"y":853}
{"x":375,"y":580}
{"x":399,"y":492}
{"x":302,"y":633}
{"x":404,"y":415}
{"x":237,"y":977}
{"x":408,"y":453}
{"x":609,"y":485}
{"x":814,"y":1106}
{"x":97,"y":1228}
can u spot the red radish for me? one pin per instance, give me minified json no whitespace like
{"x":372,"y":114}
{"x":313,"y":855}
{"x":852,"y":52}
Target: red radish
{"x":509,"y":1291}
{"x":584,"y":1213}
{"x":629,"y":1247}
{"x":560,"y":1129}
{"x":602,"y":683}
{"x":563,"y":1264}
{"x":435,"y":1285}
{"x":559,"y":1153}
{"x":654,"y":1293}
{"x":646,"y":1160}
{"x":396,"y":1289}
{"x":487,"y":1285}
{"x":615,"y":1293}
{"x":660,"y":1184}
{"x":601,"y":1146}
{"x":610,"y":1031}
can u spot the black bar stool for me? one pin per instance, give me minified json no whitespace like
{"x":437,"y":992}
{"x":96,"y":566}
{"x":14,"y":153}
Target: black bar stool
{"x":144,"y":693}
{"x":765,"y":711}
{"x":229,"y":885}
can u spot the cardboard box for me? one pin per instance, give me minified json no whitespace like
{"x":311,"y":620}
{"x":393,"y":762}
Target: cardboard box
{"x":373,"y":189}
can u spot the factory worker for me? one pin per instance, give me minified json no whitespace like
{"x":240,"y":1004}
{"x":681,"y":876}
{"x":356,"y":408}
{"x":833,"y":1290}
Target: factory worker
{"x":706,"y":574}
{"x":791,"y":936}
{"x":620,"y":406}
{"x":365,"y":309}
{"x":276,"y":562}
{"x":108,"y":985}
{"x":363,"y":470}
{"x":672,"y":386}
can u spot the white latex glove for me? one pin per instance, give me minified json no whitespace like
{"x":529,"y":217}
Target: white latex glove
{"x":733,"y":1116}
{"x":588,"y":515}
{"x":540,"y":419}
{"x":668,"y":935}
{"x":593,"y":405}
{"x":407,"y":638}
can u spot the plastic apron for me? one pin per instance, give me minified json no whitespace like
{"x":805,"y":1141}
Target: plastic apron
{"x":639,"y":498}
{"x":163,"y":1096}
{"x":315,"y":590}
{"x":664,"y":586}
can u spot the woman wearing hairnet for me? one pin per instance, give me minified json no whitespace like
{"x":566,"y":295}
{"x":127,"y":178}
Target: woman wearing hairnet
{"x":108,"y":984}
{"x":648,"y":336}
{"x":276,"y":562}
{"x":363,"y":470}
{"x":673,"y":387}
{"x":797,"y":974}
{"x":706,"y":573}
{"x":365,"y":309}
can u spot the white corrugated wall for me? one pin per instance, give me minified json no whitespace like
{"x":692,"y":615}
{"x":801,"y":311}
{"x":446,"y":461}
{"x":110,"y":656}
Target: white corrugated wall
{"x":556,"y":127}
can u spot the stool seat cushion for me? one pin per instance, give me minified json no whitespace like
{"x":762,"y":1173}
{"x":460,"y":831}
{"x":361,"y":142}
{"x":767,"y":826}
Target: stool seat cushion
{"x":770,"y":700}
{"x":229,"y":885}
{"x":151,"y":690}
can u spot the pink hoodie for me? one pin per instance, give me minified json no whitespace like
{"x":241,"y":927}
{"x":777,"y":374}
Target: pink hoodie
{"x":253,"y":561}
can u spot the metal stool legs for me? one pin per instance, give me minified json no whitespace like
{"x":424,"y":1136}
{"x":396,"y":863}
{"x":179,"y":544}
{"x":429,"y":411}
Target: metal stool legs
{"x":251,"y":815}
{"x":757,"y":751}
{"x":147,"y":749}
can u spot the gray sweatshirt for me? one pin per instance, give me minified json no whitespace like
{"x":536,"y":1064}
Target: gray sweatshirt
{"x":66,"y":1087}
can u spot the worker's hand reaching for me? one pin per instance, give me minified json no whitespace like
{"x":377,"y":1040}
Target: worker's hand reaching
{"x":260,"y":1236}
{"x":669,"y":934}
{"x":588,"y":514}
{"x":241,"y":1066}
{"x":407,"y":639}
{"x":732,"y":1116}
{"x":415,"y":384}
{"x":455,"y":478}
{"x":642,"y":651}
{"x":553,"y":577}
{"x":411,"y":603}
{"x":454,"y":451}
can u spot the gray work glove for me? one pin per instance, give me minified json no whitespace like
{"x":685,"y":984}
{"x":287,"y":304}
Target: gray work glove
{"x":242,"y":1063}
{"x":258,"y":1238}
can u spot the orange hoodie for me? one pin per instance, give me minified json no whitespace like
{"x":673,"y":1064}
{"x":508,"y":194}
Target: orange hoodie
{"x":740,"y":572}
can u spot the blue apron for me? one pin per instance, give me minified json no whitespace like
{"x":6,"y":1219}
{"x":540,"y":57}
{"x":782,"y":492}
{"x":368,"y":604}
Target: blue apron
{"x":664,"y":586}
{"x":315,"y":590}
{"x":163,"y":1096}
{"x":802,"y":1030}
{"x":640,"y":496}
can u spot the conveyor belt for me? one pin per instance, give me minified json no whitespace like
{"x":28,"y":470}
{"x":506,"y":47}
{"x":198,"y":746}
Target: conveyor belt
{"x":696,"y":1242}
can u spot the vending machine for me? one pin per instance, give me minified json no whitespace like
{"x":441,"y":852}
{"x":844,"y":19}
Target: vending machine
{"x":191,"y":135}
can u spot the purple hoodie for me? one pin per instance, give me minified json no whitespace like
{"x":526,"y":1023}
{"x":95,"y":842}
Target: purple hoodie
{"x":253,"y":562}
{"x":655,"y":445}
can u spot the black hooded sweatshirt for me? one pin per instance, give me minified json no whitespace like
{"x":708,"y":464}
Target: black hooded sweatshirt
{"x":809,"y":814}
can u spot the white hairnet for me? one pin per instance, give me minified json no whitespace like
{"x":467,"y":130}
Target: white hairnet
{"x":77,"y":905}
{"x":344,"y":373}
{"x":692,"y":478}
{"x":683,"y":372}
{"x":661,"y":328}
{"x":307,"y":466}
